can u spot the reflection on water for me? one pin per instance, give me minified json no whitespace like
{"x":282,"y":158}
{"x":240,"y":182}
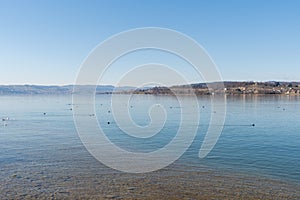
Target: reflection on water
{"x":40,"y":149}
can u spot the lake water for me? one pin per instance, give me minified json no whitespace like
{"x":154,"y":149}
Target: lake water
{"x":42,"y":152}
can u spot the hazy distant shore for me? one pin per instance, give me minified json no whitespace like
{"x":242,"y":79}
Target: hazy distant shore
{"x":228,"y":87}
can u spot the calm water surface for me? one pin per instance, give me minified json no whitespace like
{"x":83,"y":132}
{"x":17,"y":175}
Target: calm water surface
{"x":48,"y":145}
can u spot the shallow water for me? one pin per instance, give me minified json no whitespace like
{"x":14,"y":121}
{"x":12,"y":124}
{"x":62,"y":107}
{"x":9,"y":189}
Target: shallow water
{"x":41,"y":154}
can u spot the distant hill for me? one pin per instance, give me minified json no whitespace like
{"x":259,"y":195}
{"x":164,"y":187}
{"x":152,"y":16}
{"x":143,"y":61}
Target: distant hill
{"x":34,"y":89}
{"x":40,"y":89}
{"x":230,"y":87}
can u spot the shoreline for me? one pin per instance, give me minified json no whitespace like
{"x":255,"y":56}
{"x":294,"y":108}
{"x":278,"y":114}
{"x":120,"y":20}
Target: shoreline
{"x":226,"y":87}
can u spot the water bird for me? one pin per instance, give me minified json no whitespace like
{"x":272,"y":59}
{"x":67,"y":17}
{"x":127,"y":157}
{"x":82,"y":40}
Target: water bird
{"x":44,"y":113}
{"x":108,"y":122}
{"x":5,"y":119}
{"x":253,"y":125}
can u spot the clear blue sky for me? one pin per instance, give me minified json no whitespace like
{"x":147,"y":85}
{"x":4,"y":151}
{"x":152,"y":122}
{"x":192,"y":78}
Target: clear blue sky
{"x":45,"y":42}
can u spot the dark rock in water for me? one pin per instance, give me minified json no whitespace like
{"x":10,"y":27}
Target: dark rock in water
{"x":131,"y":188}
{"x":16,"y":176}
{"x":111,"y":196}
